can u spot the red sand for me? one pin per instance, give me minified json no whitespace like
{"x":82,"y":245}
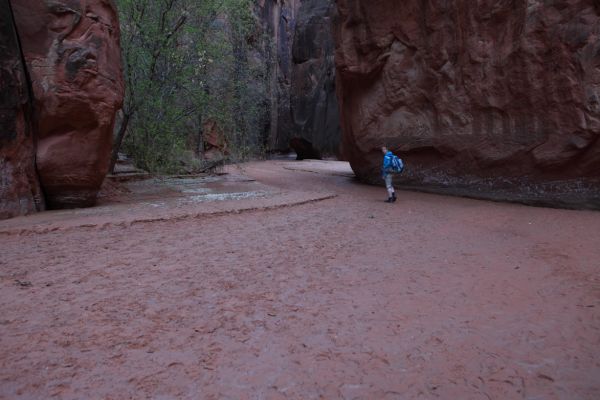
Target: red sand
{"x":349,"y":298}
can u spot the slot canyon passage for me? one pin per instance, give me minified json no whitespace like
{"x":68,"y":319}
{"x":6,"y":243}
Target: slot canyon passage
{"x":293,"y":279}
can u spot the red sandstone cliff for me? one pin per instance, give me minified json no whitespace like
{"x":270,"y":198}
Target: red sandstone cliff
{"x":73,"y":57}
{"x":492,"y":98}
{"x":19,"y":186}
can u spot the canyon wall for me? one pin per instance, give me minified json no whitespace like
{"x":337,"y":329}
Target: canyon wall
{"x":314,"y":104}
{"x":72,"y":52}
{"x":495,"y":99}
{"x":19,"y":186}
{"x":299,"y":56}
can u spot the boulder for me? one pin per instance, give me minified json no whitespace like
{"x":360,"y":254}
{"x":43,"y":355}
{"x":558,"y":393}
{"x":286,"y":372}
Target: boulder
{"x":72,"y":52}
{"x":19,"y":186}
{"x":499,"y":99}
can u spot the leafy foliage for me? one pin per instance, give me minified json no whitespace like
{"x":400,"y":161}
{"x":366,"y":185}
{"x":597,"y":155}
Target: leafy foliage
{"x":188,"y":65}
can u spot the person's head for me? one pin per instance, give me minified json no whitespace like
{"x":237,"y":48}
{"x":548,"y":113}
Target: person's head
{"x":384,"y":149}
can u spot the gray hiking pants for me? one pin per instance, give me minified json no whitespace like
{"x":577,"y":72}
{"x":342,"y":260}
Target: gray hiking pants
{"x":388,"y":184}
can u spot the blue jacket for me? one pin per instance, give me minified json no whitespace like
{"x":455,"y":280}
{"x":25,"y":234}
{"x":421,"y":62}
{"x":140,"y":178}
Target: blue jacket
{"x":387,"y":164}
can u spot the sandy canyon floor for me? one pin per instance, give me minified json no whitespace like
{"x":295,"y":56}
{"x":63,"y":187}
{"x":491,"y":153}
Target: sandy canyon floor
{"x":289,"y":280}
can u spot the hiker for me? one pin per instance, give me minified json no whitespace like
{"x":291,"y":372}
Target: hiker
{"x":391,"y":164}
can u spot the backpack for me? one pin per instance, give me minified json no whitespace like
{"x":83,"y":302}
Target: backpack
{"x":397,"y":164}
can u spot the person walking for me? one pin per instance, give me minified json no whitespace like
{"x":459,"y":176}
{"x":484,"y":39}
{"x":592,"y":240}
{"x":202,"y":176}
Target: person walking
{"x":391,"y":164}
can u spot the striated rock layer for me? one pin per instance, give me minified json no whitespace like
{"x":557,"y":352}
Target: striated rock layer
{"x":72,"y":52}
{"x":19,"y":187}
{"x":497,"y":99}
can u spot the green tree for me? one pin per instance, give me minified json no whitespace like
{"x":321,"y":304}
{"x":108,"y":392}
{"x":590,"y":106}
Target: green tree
{"x":187,"y":63}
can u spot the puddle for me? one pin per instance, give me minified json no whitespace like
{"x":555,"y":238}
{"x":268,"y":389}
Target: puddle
{"x":224,"y":196}
{"x":197,"y":191}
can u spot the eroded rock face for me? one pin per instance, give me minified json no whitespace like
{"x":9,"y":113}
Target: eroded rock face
{"x":19,"y":186}
{"x":72,"y":52}
{"x":491,"y":98}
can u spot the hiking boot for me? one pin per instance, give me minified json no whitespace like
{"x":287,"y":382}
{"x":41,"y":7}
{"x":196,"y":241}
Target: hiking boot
{"x":390,"y":200}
